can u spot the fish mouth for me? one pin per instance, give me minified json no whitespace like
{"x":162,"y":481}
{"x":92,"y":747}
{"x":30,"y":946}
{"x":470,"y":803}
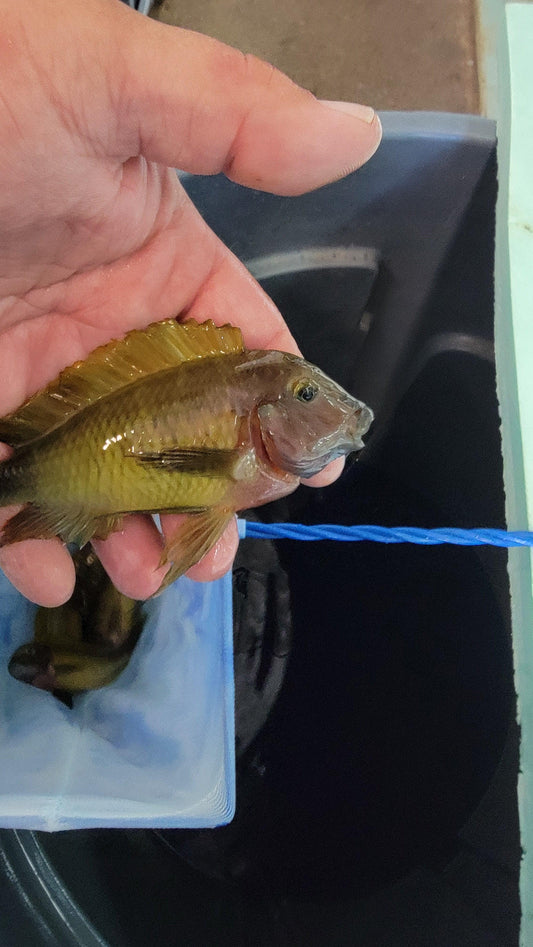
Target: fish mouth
{"x":356,"y":426}
{"x":364,"y":417}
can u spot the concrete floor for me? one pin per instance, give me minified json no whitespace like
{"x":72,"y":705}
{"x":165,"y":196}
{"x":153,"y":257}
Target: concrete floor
{"x":391,"y":54}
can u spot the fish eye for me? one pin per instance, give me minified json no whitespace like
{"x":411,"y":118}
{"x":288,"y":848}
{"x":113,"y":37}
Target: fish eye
{"x":305,"y":391}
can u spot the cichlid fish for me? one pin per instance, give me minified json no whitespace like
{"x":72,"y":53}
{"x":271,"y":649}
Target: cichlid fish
{"x":85,"y":643}
{"x":60,"y":670}
{"x":178,"y":417}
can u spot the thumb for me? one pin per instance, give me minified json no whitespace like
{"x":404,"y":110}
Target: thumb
{"x":198,"y":105}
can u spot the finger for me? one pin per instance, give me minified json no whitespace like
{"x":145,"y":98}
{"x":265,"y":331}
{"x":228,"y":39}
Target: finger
{"x":261,"y":322}
{"x":191,"y":102}
{"x":131,"y":557}
{"x":41,"y":569}
{"x":327,"y":475}
{"x":220,"y":557}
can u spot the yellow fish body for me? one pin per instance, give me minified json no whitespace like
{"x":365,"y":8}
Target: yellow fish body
{"x":178,"y":417}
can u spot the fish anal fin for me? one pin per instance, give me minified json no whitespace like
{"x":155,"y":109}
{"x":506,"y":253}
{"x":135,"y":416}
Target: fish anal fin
{"x":206,"y":461}
{"x":35,"y":522}
{"x":31,"y":522}
{"x":105,"y":525}
{"x":195,"y":536}
{"x":112,"y":366}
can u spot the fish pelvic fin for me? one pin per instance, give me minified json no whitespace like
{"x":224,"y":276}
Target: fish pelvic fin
{"x":35,"y":522}
{"x":141,"y":352}
{"x":195,"y":536}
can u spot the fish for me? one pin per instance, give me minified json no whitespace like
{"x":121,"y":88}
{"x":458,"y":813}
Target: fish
{"x":62,"y":671}
{"x":177,"y":417}
{"x":96,"y":613}
{"x":87,"y":642}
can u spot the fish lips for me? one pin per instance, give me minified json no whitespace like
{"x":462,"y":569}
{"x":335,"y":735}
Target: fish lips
{"x":286,"y":452}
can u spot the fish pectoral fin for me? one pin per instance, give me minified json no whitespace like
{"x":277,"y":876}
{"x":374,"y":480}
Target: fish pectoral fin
{"x":208,"y":461}
{"x":195,"y":536}
{"x":35,"y":522}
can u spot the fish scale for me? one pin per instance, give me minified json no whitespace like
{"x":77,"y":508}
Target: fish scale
{"x":94,"y":454}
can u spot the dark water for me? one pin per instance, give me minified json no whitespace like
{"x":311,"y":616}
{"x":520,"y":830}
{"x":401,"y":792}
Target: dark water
{"x":393,"y":712}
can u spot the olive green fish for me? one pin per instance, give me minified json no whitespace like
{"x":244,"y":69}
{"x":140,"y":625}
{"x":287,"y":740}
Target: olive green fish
{"x":59,"y":670}
{"x":178,"y":417}
{"x":85,"y":643}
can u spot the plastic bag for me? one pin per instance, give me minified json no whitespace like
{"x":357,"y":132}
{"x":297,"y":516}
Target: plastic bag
{"x":155,"y":748}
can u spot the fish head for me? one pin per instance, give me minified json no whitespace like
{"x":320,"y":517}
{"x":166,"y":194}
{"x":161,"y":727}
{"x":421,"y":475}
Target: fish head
{"x":32,"y":663}
{"x":311,"y":421}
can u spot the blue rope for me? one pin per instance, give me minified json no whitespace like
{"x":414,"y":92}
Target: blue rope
{"x":384,"y":534}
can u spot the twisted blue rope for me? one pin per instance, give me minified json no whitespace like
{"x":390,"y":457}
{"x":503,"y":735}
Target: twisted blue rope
{"x":384,"y":534}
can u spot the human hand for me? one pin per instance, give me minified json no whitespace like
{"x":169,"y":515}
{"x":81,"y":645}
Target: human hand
{"x":98,"y":105}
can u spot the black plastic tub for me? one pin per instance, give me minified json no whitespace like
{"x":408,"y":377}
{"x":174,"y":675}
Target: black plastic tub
{"x":377,"y":750}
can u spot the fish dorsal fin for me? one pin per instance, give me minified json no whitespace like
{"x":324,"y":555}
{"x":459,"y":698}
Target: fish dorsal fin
{"x":112,"y":366}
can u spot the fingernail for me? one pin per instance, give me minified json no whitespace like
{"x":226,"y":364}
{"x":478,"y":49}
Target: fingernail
{"x":363,"y":112}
